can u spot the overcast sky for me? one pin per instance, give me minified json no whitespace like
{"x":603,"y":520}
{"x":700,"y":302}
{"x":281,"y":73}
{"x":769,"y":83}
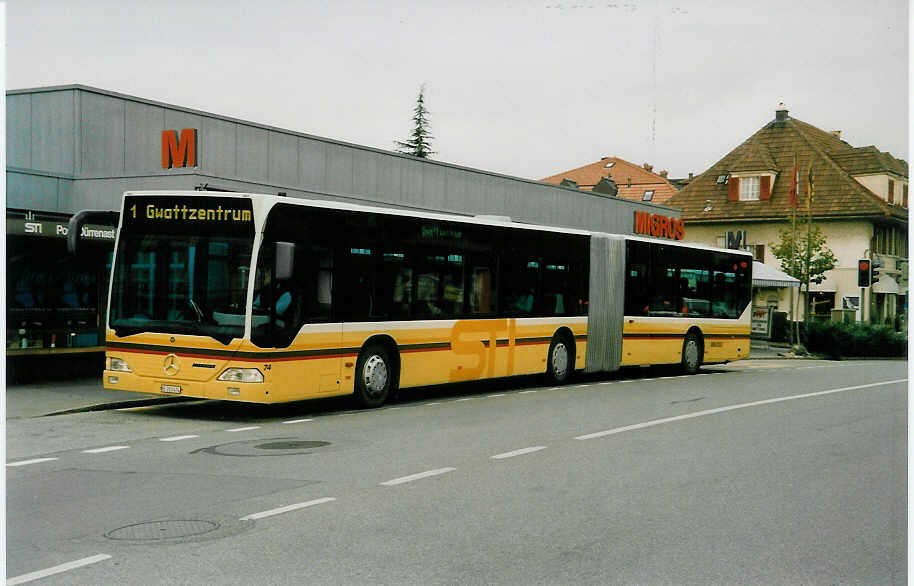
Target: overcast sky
{"x":526,"y":88}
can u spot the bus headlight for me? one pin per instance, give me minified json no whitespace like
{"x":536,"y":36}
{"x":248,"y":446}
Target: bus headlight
{"x":118,"y":364}
{"x":242,"y":375}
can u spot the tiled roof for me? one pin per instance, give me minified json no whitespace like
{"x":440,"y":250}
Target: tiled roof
{"x":755,"y":157}
{"x":868,"y":160}
{"x":834,"y":162}
{"x":632,"y":180}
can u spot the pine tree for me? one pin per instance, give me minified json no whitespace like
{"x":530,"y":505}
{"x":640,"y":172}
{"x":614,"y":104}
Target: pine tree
{"x":419,"y":144}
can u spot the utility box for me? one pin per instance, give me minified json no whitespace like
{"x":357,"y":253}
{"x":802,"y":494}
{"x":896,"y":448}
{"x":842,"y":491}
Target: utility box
{"x":846,"y":316}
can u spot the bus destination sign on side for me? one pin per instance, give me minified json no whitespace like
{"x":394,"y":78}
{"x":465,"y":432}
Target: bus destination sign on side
{"x":659,"y":226}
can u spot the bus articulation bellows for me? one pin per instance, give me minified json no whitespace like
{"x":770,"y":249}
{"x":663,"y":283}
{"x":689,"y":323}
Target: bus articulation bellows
{"x":268,"y":299}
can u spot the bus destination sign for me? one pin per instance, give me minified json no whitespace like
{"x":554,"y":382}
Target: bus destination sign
{"x":210,"y":215}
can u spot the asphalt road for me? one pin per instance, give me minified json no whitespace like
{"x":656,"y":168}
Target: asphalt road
{"x":759,"y":472}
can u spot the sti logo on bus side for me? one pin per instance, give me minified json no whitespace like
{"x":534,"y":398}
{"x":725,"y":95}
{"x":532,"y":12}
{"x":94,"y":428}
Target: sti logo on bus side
{"x":659,"y":226}
{"x":179,"y":152}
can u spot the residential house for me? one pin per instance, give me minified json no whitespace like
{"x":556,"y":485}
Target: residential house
{"x":615,"y":176}
{"x":860,"y":200}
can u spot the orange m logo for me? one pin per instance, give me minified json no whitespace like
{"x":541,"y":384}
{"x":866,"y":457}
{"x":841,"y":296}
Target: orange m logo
{"x":179,"y":153}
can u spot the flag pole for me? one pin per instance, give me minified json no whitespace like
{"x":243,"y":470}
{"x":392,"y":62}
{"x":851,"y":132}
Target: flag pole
{"x":794,"y":303}
{"x":810,"y":182}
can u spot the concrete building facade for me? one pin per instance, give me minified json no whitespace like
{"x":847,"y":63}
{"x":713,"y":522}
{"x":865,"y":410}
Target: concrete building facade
{"x":71,"y":148}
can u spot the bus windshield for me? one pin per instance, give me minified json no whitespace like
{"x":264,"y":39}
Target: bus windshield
{"x":179,"y":277}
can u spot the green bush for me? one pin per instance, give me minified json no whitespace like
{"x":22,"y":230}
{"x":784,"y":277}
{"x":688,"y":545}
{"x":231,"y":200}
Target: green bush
{"x":836,"y":339}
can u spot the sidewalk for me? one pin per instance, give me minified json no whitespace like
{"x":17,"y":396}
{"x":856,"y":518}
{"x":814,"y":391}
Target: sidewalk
{"x":762,"y":349}
{"x":85,"y":394}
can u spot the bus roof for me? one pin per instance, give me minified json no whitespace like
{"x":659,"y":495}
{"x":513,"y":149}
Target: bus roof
{"x":482,"y":220}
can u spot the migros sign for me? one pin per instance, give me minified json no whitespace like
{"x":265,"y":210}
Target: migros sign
{"x":659,"y":226}
{"x":179,"y":151}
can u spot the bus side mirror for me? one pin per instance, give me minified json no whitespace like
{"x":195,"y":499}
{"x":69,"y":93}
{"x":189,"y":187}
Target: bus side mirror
{"x":285,"y":260}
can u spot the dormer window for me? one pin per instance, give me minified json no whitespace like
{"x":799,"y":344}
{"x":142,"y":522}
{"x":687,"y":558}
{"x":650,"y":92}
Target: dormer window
{"x":749,"y":189}
{"x":648,"y":195}
{"x":609,"y":164}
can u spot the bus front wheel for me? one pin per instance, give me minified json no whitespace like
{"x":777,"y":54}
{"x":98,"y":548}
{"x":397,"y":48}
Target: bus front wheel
{"x":374,"y":376}
{"x":692,"y":351}
{"x":560,"y":360}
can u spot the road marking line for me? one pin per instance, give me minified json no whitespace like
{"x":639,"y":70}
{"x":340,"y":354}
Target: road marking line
{"x":729,"y":408}
{"x":580,"y":386}
{"x":27,"y":462}
{"x":418,"y":476}
{"x":526,"y":392}
{"x":435,"y":403}
{"x":297,"y":420}
{"x":495,"y":395}
{"x":107,"y":449}
{"x":286,"y":509}
{"x":243,"y":429}
{"x":554,"y":389}
{"x":467,"y":399}
{"x":57,"y":569}
{"x":177,"y":438}
{"x":520,"y":452}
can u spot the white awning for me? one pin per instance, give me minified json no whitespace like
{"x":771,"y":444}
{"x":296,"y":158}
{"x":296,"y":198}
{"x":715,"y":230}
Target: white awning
{"x":766,"y":276}
{"x":886,"y":284}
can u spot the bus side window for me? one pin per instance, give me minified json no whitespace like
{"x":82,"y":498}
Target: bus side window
{"x":394,"y":285}
{"x":637,"y":278}
{"x":319,"y":283}
{"x":482,"y":292}
{"x":519,"y":278}
{"x":558,"y":289}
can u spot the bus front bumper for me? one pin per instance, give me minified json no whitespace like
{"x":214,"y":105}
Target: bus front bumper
{"x":212,"y":389}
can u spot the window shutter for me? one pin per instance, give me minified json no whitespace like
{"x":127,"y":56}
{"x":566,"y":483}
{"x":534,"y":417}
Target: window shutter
{"x":733,"y":193}
{"x":904,"y":195}
{"x":765,"y":187}
{"x":891,"y":191}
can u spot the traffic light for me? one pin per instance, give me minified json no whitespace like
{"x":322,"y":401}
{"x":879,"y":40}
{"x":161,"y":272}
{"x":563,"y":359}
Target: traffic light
{"x":876,"y":265}
{"x":863,"y":272}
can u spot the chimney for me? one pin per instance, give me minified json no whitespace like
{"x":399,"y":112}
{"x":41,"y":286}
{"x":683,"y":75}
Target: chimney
{"x":781,"y":113}
{"x":648,"y":167}
{"x":836,"y":133}
{"x":690,"y":175}
{"x":664,"y":174}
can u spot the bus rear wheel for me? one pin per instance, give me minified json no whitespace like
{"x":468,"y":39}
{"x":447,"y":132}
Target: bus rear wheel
{"x":374,"y":376}
{"x":692,"y":351}
{"x":560,"y":360}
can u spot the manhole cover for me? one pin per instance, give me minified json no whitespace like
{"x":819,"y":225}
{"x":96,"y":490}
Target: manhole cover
{"x":291,"y":445}
{"x":155,"y":530}
{"x":265,"y":447}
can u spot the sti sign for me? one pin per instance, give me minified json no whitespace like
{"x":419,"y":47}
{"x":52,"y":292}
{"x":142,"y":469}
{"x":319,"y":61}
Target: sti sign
{"x":179,"y":152}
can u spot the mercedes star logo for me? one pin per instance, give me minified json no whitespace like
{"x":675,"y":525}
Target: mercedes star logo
{"x":171,"y":365}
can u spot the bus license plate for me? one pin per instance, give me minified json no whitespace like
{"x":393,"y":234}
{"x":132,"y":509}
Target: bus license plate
{"x":173,"y":389}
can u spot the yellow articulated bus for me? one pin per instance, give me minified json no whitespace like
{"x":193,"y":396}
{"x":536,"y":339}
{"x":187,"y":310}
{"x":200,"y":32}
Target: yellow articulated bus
{"x":266,"y":299}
